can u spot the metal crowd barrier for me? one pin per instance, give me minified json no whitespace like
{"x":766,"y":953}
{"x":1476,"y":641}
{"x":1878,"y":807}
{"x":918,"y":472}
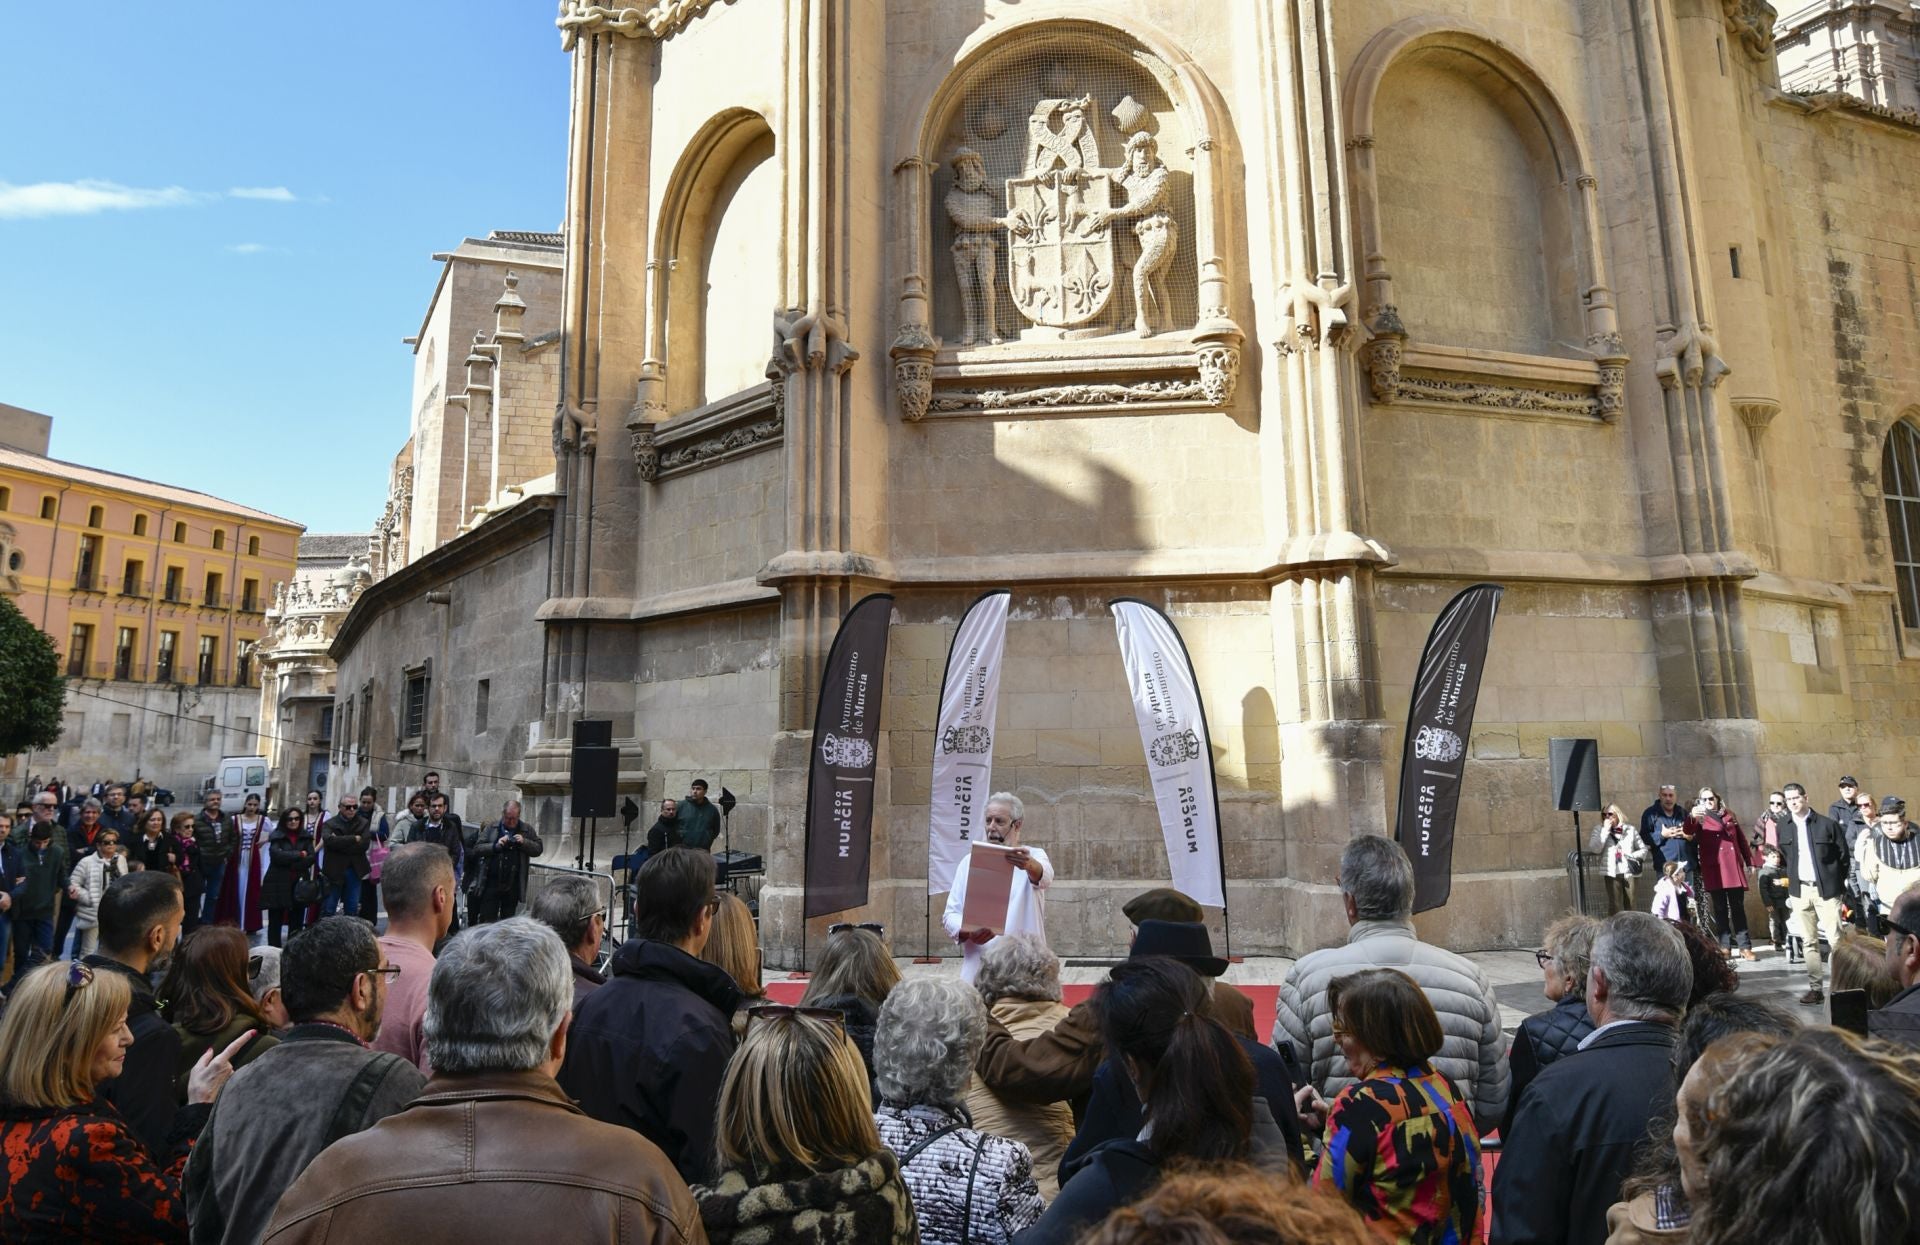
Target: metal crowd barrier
{"x":540,"y":876}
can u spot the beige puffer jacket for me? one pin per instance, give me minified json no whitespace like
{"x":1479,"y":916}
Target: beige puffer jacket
{"x":1473,"y":1055}
{"x":1045,"y":1130}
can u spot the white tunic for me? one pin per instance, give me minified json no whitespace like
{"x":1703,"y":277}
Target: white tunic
{"x":1026,"y":909}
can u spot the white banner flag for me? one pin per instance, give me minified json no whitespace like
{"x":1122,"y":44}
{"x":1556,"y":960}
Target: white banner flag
{"x":963,"y":739}
{"x":1173,"y":729}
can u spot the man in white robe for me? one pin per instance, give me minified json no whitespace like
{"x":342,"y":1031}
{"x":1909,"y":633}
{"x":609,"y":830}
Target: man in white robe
{"x":1026,"y":899}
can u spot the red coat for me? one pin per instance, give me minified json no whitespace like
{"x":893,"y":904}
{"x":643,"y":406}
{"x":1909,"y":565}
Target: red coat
{"x":1724,"y":854}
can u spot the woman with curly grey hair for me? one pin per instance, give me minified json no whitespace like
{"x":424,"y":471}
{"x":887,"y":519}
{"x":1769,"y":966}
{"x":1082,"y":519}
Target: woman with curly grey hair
{"x":1807,"y":1137}
{"x":1546,"y":1036}
{"x":1020,"y":982}
{"x":969,"y":1187}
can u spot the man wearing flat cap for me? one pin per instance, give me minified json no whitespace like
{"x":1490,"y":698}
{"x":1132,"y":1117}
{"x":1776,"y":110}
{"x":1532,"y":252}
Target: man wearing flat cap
{"x":1230,"y":1007}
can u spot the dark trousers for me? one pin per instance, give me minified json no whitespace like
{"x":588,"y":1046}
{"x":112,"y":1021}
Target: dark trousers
{"x":63,"y":926}
{"x":32,"y":943}
{"x":1730,"y":917}
{"x":211,"y":875}
{"x":493,"y":907}
{"x":369,"y":900}
{"x":287,"y":921}
{"x":1619,"y":895}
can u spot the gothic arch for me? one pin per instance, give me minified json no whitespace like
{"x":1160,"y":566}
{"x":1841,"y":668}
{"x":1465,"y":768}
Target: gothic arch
{"x":1900,"y":489}
{"x":1511,"y":85}
{"x":1209,"y":340}
{"x":672,"y":375}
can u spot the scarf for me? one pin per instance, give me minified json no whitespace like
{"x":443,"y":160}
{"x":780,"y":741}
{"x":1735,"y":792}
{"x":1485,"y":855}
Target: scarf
{"x":1897,"y":853}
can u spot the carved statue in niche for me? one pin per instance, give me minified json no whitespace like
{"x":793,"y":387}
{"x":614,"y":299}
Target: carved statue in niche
{"x":1144,"y":178}
{"x":975,"y":226}
{"x":1061,"y":257}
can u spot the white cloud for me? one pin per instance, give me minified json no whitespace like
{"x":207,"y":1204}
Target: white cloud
{"x":86,"y":197}
{"x":271,"y":194}
{"x":251,"y":248}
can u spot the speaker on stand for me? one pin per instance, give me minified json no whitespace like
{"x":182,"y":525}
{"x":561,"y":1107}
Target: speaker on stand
{"x":1576,"y":789}
{"x":596,"y":772}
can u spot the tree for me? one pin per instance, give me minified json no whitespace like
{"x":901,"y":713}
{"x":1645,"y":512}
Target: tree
{"x":32,"y":689}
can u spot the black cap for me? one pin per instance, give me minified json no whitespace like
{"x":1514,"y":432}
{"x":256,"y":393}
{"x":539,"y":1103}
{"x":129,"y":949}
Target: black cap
{"x":1848,"y":780}
{"x":1185,"y":941}
{"x":1892,"y":804}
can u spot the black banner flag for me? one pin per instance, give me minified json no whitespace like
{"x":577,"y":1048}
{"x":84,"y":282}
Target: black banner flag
{"x":846,"y":735}
{"x":1439,"y":724}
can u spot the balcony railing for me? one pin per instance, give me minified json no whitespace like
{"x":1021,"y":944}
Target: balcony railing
{"x":88,"y":580}
{"x":136,"y":588}
{"x":77,"y":666}
{"x":174,"y":594}
{"x":163,"y":670}
{"x":216,"y":600}
{"x":252,"y":605}
{"x":124,"y":669}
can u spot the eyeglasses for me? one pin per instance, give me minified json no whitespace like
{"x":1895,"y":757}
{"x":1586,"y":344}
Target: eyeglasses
{"x":713,"y":906}
{"x":1898,"y":928}
{"x":78,"y":975}
{"x":771,"y":1012}
{"x":877,"y":928}
{"x":1543,"y":957}
{"x":389,"y":971}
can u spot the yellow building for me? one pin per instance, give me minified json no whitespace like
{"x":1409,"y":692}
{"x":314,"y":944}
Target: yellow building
{"x":156,"y":597}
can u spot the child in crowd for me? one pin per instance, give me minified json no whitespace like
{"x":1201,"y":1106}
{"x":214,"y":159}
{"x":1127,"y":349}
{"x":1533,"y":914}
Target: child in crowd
{"x":1773,"y":893}
{"x":1671,"y":894}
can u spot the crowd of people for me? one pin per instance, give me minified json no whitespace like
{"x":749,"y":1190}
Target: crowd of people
{"x":267,"y":872}
{"x":1816,"y":873}
{"x":513,"y":1078}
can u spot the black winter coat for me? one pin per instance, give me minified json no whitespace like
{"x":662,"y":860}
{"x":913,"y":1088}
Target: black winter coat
{"x":1830,"y":856}
{"x":1575,"y":1136}
{"x":1116,"y":1174}
{"x":143,"y":1092}
{"x":1113,"y":1111}
{"x":345,"y":839}
{"x":285,"y":864}
{"x":1899,"y":1020}
{"x":862,"y":1022}
{"x":503,"y":870}
{"x":649,"y":1050}
{"x":1542,"y":1038}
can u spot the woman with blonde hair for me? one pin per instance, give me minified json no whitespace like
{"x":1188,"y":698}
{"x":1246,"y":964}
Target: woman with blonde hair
{"x":855,"y":976}
{"x":1623,"y":856}
{"x":75,"y":1171}
{"x":733,"y":946}
{"x":1020,"y":982}
{"x":800,"y":1158}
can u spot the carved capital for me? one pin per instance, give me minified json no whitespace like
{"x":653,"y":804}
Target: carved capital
{"x":912,"y":355}
{"x":1756,"y":413}
{"x":1607,"y":346}
{"x":1384,"y":355}
{"x":809,"y":341}
{"x":1360,"y":142}
{"x":659,"y":20}
{"x":1612,"y":393}
{"x":1219,"y":372}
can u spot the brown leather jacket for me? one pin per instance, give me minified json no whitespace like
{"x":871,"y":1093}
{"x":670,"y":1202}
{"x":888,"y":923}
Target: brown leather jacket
{"x":500,"y":1156}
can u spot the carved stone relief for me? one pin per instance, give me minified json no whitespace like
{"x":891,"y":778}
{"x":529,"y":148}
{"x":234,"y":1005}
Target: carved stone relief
{"x":1751,"y":22}
{"x":11,"y":560}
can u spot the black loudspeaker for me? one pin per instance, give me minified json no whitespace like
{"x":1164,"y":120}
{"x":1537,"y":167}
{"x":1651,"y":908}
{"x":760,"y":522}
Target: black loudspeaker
{"x":593,"y":732}
{"x":595,"y":773}
{"x":1576,"y":774}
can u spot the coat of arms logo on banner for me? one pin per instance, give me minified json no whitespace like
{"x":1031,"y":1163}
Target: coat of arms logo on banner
{"x":1061,"y":257}
{"x":848,"y":750}
{"x":1435,"y":743}
{"x":1175,"y":748}
{"x":966,"y":739}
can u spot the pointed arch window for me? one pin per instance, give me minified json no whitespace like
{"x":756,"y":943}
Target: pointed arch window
{"x":1900,"y":485}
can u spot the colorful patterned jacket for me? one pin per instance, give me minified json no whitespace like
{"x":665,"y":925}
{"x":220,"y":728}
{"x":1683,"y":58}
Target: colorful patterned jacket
{"x":1402,"y":1147}
{"x":78,"y":1174}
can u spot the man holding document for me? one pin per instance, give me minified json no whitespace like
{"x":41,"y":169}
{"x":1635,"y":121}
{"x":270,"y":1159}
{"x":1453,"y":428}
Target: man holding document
{"x":998,"y":890}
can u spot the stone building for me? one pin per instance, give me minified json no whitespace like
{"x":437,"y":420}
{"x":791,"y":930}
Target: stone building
{"x":1290,"y":318}
{"x":1869,"y":49}
{"x":156,"y":597}
{"x":296,"y":672}
{"x":436,"y":664}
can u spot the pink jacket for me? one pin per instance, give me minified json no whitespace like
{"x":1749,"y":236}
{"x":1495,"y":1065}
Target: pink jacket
{"x":1724,"y":854}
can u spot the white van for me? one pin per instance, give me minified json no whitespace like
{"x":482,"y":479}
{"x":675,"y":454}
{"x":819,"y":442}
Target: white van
{"x":238,"y":778}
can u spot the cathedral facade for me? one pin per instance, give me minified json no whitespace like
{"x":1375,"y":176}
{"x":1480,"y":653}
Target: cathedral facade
{"x":1291,"y":317}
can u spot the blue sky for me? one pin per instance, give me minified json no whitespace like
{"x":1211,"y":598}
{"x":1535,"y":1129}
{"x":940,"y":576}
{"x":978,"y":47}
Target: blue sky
{"x":217,"y":223}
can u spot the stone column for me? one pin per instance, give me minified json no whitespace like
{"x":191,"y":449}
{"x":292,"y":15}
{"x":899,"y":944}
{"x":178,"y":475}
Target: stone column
{"x":1333,"y":740}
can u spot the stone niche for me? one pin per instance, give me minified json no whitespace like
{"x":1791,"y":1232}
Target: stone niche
{"x":1063,"y":234}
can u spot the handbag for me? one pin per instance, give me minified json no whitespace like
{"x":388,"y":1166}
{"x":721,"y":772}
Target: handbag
{"x":307,"y":889}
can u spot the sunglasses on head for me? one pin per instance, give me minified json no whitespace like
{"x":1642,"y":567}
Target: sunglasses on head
{"x":78,"y":975}
{"x":877,"y":928}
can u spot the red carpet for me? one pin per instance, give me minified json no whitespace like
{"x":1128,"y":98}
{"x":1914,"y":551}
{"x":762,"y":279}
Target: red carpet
{"x":1265,"y":1000}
